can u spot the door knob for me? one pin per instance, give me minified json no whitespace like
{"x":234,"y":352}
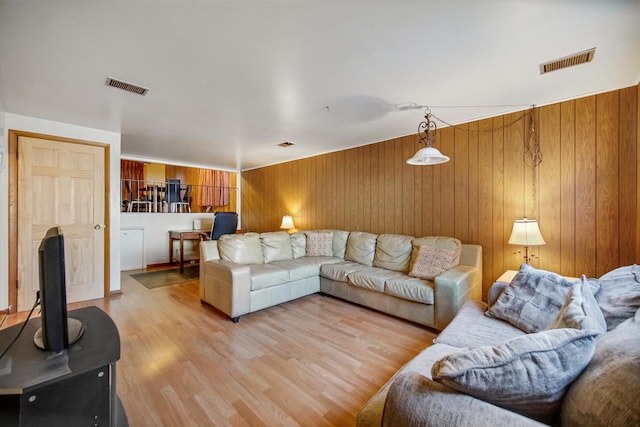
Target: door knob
{"x":99,"y":226}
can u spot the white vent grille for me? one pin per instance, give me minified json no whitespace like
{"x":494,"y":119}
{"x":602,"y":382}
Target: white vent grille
{"x":568,"y":61}
{"x":129,"y":87}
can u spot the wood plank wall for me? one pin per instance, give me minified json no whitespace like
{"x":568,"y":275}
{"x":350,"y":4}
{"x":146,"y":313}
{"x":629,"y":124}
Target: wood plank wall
{"x":585,"y":194}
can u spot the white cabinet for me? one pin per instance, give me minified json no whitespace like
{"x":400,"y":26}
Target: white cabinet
{"x":132,"y":248}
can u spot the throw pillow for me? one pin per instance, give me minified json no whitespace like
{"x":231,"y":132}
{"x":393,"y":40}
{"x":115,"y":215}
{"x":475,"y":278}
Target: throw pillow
{"x":532,"y":300}
{"x":608,"y":391}
{"x":440,"y":242}
{"x":580,"y":310}
{"x":428,"y":262}
{"x":527,"y":374}
{"x":319,"y":244}
{"x":619,"y":297}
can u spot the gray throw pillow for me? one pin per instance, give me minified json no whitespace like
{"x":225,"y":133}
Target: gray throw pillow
{"x":619,"y":297}
{"x":527,"y":374}
{"x":580,"y":310}
{"x":608,"y":391}
{"x":532,"y":300}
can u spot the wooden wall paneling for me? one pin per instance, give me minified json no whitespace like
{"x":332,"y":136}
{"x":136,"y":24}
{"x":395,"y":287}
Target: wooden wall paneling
{"x":447,"y":188}
{"x":341,"y":185}
{"x":585,"y":236}
{"x":515,"y":191}
{"x":389,"y":185}
{"x":567,"y":188}
{"x":549,"y":194}
{"x":397,"y":185}
{"x":607,"y":221}
{"x":485,"y":197}
{"x":331,"y":190}
{"x":428,"y":188}
{"x":408,"y":213}
{"x":366,"y":189}
{"x":361,"y":154}
{"x":637,"y":193}
{"x":500,"y":236}
{"x":415,"y":177}
{"x":374,"y":165}
{"x":474,"y":184}
{"x":461,"y":182}
{"x":627,"y":172}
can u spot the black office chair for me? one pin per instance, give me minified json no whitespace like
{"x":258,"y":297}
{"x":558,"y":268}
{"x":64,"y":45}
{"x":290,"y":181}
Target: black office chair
{"x":223,"y":223}
{"x":172,"y":194}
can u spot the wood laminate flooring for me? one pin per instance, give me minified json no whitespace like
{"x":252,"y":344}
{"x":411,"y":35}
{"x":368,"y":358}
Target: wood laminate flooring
{"x":314,"y":361}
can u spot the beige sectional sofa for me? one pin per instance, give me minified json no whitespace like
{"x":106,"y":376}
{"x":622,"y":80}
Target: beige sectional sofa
{"x":243,"y":273}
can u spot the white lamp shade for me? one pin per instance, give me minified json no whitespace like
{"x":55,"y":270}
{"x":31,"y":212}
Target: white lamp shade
{"x":287,"y":222}
{"x":428,"y":156}
{"x":526,"y":233}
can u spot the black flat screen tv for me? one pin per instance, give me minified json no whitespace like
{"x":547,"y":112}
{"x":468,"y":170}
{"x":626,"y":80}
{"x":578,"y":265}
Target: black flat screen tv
{"x":57,"y":331}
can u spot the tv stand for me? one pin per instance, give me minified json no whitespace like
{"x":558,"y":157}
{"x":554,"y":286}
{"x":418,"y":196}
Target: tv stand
{"x":76,"y":386}
{"x":75,"y":329}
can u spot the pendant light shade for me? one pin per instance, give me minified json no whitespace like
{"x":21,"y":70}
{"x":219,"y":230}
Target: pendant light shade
{"x":428,"y":156}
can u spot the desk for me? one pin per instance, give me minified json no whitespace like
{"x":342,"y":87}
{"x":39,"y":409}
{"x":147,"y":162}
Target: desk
{"x":183,"y":235}
{"x":74,"y":387}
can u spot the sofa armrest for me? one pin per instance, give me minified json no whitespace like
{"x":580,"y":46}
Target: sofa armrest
{"x":452,"y":289}
{"x":415,"y":400}
{"x":226,"y":285}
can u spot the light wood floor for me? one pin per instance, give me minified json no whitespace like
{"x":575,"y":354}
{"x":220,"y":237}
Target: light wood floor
{"x":310,"y":362}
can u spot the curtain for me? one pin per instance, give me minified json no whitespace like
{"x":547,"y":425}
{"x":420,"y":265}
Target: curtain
{"x":213,"y":188}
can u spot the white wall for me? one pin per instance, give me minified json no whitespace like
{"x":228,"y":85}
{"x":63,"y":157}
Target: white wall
{"x":156,"y":231}
{"x":10,"y":121}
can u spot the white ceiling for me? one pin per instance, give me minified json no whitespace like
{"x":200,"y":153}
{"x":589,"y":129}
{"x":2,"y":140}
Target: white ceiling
{"x":230,"y":79}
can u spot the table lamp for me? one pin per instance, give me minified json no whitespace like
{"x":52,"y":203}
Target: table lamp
{"x":287,"y":223}
{"x":526,"y":233}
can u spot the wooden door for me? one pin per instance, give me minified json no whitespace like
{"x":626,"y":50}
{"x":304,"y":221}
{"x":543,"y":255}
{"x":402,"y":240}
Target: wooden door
{"x":61,"y":184}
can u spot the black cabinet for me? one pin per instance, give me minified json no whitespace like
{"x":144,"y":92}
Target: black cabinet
{"x":76,"y":387}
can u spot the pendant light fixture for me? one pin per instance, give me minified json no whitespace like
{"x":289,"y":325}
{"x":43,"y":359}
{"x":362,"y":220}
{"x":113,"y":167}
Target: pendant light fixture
{"x":428,"y":155}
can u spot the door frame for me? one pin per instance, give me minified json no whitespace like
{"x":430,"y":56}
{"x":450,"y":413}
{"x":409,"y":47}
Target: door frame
{"x":12,"y":170}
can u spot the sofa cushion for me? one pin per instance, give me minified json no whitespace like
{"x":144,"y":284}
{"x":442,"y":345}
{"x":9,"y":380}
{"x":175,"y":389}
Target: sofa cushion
{"x":276,"y":246}
{"x":580,"y":310}
{"x":267,"y":275}
{"x":393,"y":252}
{"x":608,"y":391}
{"x":339,"y":244}
{"x":440,"y":242}
{"x":428,"y":262}
{"x":339,"y":271}
{"x":410,"y":288}
{"x":372,"y":278}
{"x":319,"y":243}
{"x":471,"y":328}
{"x":300,"y":268}
{"x":241,"y":248}
{"x":361,"y":247}
{"x":527,"y":374}
{"x":532,"y":300}
{"x":298,"y":244}
{"x":619,"y":297}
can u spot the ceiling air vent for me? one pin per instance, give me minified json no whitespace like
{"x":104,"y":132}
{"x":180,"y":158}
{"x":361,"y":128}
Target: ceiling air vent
{"x":286,"y":144}
{"x":129,"y":87}
{"x":568,"y":61}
